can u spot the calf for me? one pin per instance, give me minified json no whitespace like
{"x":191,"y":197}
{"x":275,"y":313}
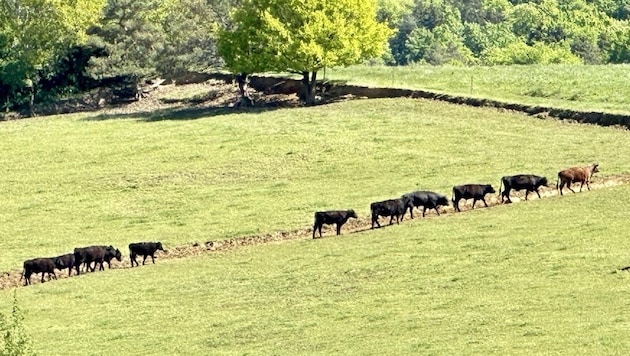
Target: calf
{"x":38,"y":265}
{"x":65,"y":261}
{"x":471,"y":191}
{"x":338,"y":217}
{"x":581,"y":174}
{"x":529,"y":182}
{"x":425,"y":199}
{"x":143,"y":249}
{"x":392,"y":208}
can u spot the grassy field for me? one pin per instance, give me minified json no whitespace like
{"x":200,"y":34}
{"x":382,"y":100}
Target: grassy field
{"x":510,"y":279}
{"x":582,"y":87}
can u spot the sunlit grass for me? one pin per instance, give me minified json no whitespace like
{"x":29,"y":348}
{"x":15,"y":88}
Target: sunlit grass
{"x":584,"y":87}
{"x":512,"y":279}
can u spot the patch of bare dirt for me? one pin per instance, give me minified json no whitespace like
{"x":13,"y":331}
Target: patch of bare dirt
{"x":11,"y":278}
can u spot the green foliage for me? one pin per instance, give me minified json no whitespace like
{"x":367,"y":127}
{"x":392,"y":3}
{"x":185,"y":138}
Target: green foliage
{"x":538,"y":53}
{"x":130,"y":39}
{"x":302,"y":36}
{"x":14,"y":340}
{"x":439,"y":31}
{"x":190,"y":34}
{"x":34,"y":34}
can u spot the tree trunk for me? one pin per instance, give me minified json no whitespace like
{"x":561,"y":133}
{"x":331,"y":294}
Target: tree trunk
{"x":309,"y":86}
{"x":242,"y":79}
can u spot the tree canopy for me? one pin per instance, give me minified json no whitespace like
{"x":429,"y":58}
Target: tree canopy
{"x":302,"y":37}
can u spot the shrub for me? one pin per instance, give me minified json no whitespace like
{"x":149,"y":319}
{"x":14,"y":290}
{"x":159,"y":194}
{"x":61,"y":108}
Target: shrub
{"x":14,"y":341}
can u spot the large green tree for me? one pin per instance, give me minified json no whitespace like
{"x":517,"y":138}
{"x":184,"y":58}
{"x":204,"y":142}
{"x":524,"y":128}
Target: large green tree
{"x":302,"y":36}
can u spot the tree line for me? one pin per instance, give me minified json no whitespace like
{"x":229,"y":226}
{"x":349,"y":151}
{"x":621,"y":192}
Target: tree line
{"x":50,"y":48}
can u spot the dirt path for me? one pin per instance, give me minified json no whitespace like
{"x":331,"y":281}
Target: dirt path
{"x":12,"y":278}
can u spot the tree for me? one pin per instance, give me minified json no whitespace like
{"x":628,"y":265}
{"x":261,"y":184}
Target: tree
{"x":130,"y":39}
{"x":33,"y":34}
{"x":302,"y":36}
{"x":190,"y":33}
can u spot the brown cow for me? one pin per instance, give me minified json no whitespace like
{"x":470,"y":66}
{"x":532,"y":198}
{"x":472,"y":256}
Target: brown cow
{"x":581,"y":174}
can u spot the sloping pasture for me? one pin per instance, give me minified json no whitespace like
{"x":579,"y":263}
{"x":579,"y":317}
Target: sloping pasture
{"x":576,"y":87}
{"x":510,"y":278}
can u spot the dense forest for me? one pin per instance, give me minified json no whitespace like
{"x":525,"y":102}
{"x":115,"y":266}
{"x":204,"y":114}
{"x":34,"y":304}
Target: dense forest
{"x":56,"y":47}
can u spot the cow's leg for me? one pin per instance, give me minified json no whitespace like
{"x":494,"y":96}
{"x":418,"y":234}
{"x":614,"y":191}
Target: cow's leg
{"x":569,"y":187}
{"x":588,"y":186}
{"x":474,"y":202}
{"x":456,"y":205}
{"x":54,"y":275}
{"x":375,"y":220}
{"x":424,"y":210}
{"x":315,"y":230}
{"x":144,"y":259}
{"x":43,"y":274}
{"x":339,"y":229}
{"x":70,"y":271}
{"x":153,"y":258}
{"x":437,"y":210}
{"x":484,"y":201}
{"x":132,"y":258}
{"x":526,"y":192}
{"x":538,"y":193}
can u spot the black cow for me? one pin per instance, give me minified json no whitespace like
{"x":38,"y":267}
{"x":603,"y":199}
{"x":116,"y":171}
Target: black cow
{"x":471,"y":191}
{"x":92,"y":254}
{"x":144,"y":249}
{"x":529,"y":182}
{"x":65,"y":261}
{"x":392,"y":208}
{"x":329,"y":217}
{"x":427,"y":200}
{"x":576,"y":175}
{"x":110,"y":254}
{"x":38,"y":265}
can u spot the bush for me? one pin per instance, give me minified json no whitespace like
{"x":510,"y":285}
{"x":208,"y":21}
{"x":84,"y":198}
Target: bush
{"x":14,"y":341}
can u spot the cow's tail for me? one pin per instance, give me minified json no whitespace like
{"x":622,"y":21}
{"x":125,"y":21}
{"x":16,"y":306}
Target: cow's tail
{"x":22,"y":275}
{"x":500,"y":185}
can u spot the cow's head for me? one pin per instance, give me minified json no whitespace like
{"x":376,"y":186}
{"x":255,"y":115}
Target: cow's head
{"x":118,"y":255}
{"x":488,"y":189}
{"x":594,"y":168}
{"x":352,"y":214}
{"x":442,"y":201}
{"x":159,"y":246}
{"x":543,"y":181}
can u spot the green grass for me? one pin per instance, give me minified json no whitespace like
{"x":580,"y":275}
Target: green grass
{"x":582,"y":87}
{"x":516,"y":279}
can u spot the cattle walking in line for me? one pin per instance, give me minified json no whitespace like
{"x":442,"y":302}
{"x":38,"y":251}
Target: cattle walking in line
{"x":92,"y":254}
{"x":38,"y":265}
{"x":582,"y":174}
{"x":65,"y":261}
{"x":529,"y":182}
{"x":471,"y":191}
{"x":338,"y":217}
{"x":425,"y":199}
{"x":144,"y":249}
{"x":392,"y":208}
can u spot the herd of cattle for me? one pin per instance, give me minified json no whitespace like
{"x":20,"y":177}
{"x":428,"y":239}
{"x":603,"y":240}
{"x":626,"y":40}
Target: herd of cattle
{"x":396,"y":208}
{"x":92,"y":256}
{"x":88,"y":258}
